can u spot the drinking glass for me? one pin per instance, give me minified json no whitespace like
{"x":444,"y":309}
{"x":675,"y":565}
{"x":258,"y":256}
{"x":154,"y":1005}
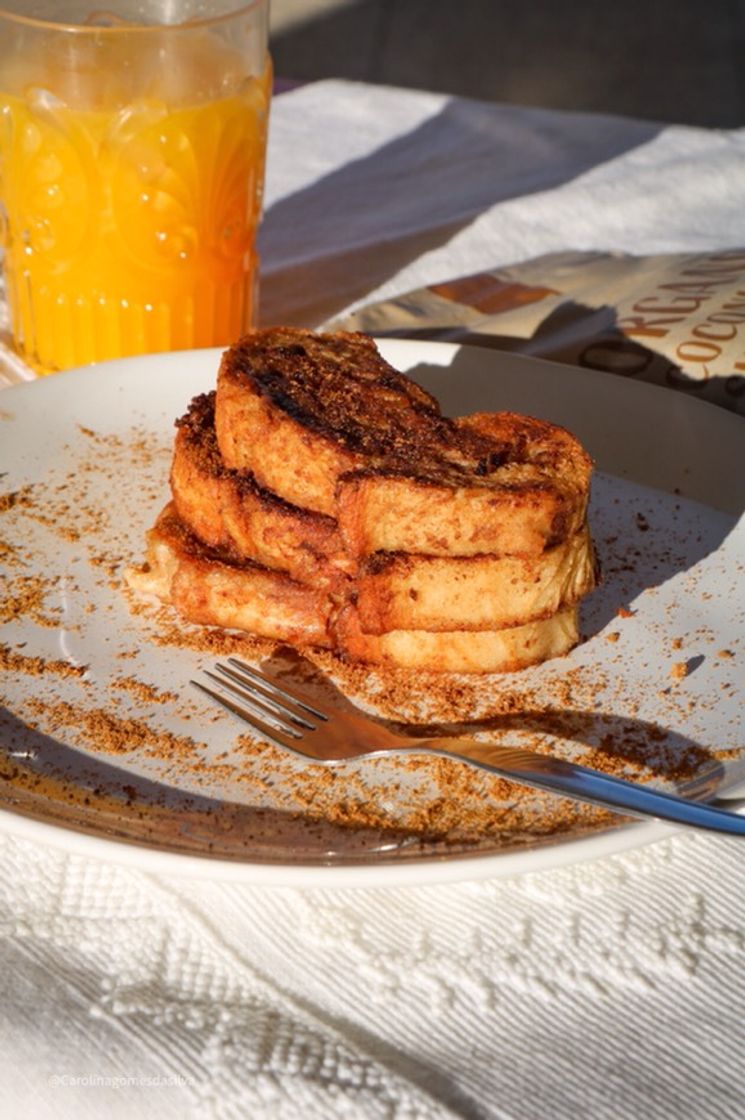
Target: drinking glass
{"x":132,"y":144}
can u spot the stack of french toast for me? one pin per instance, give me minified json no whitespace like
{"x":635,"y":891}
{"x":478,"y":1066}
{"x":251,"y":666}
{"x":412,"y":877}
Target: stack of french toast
{"x":320,"y":498}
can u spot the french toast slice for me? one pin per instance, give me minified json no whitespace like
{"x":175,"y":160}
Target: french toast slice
{"x":535,"y":498}
{"x":205,"y":588}
{"x":230,"y":511}
{"x":459,"y":651}
{"x":401,"y":591}
{"x":300,"y":409}
{"x":324,"y":422}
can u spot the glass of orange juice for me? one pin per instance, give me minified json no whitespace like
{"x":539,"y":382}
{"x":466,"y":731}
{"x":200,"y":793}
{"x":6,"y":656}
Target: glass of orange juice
{"x":132,"y":143}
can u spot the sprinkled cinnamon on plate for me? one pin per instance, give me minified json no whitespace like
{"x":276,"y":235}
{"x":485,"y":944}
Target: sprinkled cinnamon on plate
{"x":104,"y":731}
{"x":14,"y":662}
{"x":146,"y":693}
{"x":15,"y":498}
{"x":10,"y":554}
{"x":448,"y":800}
{"x":24,"y":596}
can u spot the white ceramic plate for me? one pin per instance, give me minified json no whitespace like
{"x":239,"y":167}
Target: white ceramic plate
{"x":93,"y":447}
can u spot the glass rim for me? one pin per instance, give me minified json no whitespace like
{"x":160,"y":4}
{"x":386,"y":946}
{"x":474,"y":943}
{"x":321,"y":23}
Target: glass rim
{"x":38,"y":24}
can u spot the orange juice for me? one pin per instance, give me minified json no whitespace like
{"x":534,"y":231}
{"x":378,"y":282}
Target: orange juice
{"x":130,"y":221}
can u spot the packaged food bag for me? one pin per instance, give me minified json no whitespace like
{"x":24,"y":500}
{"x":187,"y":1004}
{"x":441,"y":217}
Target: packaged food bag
{"x":674,"y":319}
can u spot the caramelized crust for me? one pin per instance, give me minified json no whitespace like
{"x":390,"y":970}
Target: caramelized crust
{"x":324,"y":422}
{"x":300,"y":409}
{"x":535,"y":498}
{"x":459,"y":651}
{"x":537,"y":456}
{"x":400,"y":591}
{"x":206,"y":588}
{"x":230,"y":511}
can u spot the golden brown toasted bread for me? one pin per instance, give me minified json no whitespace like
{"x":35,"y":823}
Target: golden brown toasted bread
{"x":203,"y":587}
{"x":536,"y":497}
{"x":300,"y":409}
{"x":401,"y":591}
{"x":326,"y":423}
{"x":230,"y":511}
{"x":459,"y":651}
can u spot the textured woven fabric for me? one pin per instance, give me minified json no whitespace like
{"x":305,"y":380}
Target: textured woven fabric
{"x":609,"y":989}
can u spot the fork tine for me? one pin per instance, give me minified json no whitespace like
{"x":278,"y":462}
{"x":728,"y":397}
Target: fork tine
{"x":265,"y":682}
{"x":272,"y":734}
{"x":248,"y":690}
{"x":247,"y":704}
{"x":255,"y":706}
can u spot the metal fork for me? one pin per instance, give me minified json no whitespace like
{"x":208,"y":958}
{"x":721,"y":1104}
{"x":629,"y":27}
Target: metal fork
{"x":327,"y":735}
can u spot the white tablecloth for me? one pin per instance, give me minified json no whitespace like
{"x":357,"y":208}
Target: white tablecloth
{"x":607,"y":990}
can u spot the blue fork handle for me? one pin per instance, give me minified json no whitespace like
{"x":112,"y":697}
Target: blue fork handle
{"x":556,"y":775}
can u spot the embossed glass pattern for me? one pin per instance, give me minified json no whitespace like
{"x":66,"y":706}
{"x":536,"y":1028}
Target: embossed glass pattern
{"x":131,"y":170}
